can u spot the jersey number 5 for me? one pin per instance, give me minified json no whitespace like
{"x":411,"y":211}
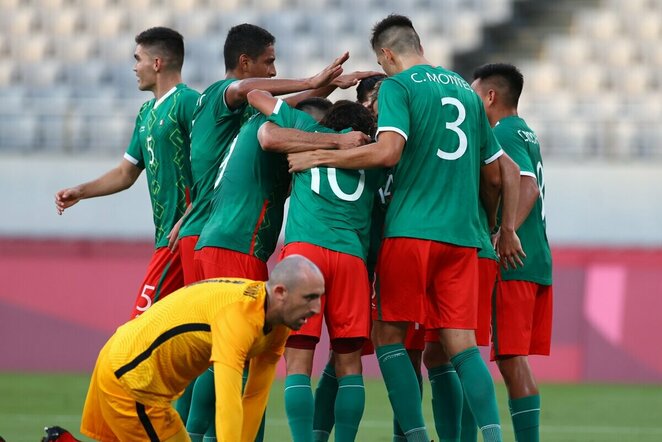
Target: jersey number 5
{"x":455,"y":127}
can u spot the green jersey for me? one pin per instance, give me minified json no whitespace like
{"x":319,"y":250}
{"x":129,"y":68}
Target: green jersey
{"x":448,"y":138}
{"x":251,"y":188}
{"x":161,"y":145}
{"x":214,"y":127}
{"x":521,"y":144}
{"x":329,"y":207}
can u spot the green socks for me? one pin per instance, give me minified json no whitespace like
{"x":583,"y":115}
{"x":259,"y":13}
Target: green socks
{"x":401,"y":384}
{"x":349,"y":406}
{"x":447,"y":399}
{"x":299,"y":407}
{"x":469,"y":428}
{"x":398,"y":435}
{"x":525,"y":413}
{"x":203,"y":406}
{"x":479,"y":390}
{"x":325,"y":398}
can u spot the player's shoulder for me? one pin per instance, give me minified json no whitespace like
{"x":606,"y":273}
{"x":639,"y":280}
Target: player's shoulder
{"x":188,"y":92}
{"x":149,"y":104}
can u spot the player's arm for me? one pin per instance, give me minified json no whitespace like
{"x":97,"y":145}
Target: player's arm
{"x":490,"y":190}
{"x":173,"y":236}
{"x":508,"y":245}
{"x":385,"y":152}
{"x":233,"y":335}
{"x":274,"y":138}
{"x":528,"y":195}
{"x":236,"y":93}
{"x":344,"y":81}
{"x":261,"y":374}
{"x":115,"y":180}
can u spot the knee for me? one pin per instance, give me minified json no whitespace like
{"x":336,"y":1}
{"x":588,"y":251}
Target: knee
{"x":434,"y":355}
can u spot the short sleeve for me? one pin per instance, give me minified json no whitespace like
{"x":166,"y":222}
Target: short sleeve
{"x":285,"y":116}
{"x":490,"y":149}
{"x":516,"y":149}
{"x":393,"y":108}
{"x":134,"y":153}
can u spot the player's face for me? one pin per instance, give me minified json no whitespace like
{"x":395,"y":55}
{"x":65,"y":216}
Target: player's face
{"x":264,"y":66}
{"x":144,"y":69}
{"x":303,"y":302}
{"x":385,"y":60}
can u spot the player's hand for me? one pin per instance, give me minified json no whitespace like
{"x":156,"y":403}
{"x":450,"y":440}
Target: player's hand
{"x":353,"y":139}
{"x":352,"y":79}
{"x":173,"y":236}
{"x":66,"y":198}
{"x":329,"y":73}
{"x":303,"y":160}
{"x":509,"y":249}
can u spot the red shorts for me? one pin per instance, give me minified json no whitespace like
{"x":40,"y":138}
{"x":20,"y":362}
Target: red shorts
{"x":186,"y":250}
{"x":487,"y":274}
{"x":164,"y":276}
{"x":428,"y":282}
{"x":522,"y":319}
{"x":346,"y":300}
{"x":215,"y":262}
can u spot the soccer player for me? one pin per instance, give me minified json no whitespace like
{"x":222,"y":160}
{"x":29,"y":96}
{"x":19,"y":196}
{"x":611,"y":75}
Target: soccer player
{"x":365,"y":90}
{"x":328,"y":222}
{"x":246,"y":216}
{"x":433,"y":126}
{"x":249,"y":54}
{"x":161,"y":145}
{"x":149,"y":361}
{"x":523,"y":303}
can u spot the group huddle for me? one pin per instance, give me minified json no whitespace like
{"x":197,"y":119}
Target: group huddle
{"x":415,"y":231}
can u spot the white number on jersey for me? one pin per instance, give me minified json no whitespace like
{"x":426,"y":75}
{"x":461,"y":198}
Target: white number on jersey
{"x":224,"y":163}
{"x":455,"y":127}
{"x":150,"y":149}
{"x":333,"y":182}
{"x":385,"y":192}
{"x":541,"y":187}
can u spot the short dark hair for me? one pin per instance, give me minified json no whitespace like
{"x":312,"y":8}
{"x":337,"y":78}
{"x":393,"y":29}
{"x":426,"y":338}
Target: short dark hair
{"x":166,"y":42}
{"x":245,"y":39}
{"x":319,"y":103}
{"x":366,"y":86}
{"x":395,"y":32}
{"x":345,"y":114}
{"x":505,"y":77}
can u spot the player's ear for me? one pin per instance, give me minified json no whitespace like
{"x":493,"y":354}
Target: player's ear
{"x":244,"y":61}
{"x":279,"y":293}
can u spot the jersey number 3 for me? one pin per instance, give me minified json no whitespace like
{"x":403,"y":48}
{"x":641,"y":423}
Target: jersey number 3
{"x":455,"y":127}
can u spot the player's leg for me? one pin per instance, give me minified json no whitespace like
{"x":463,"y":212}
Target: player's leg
{"x":414,"y":343}
{"x":347,"y":313}
{"x":400,"y":290}
{"x":164,"y":276}
{"x":299,"y":402}
{"x":325,"y":399}
{"x":126,"y":418}
{"x":528,"y":307}
{"x":447,"y":393}
{"x":452,"y":308}
{"x":299,"y":352}
{"x":203,"y":406}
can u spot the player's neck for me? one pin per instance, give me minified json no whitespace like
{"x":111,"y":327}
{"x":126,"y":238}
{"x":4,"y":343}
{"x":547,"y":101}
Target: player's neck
{"x":164,"y":83}
{"x":501,"y":114}
{"x":407,"y":61}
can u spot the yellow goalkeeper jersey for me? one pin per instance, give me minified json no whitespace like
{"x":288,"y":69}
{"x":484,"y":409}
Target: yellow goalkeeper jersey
{"x":156,"y":355}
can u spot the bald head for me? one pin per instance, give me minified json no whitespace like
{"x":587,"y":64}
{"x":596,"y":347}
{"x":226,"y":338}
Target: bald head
{"x":397,"y":33}
{"x":294,"y":289}
{"x":293,"y":271}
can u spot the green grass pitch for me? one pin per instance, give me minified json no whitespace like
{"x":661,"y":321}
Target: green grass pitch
{"x":604,"y":413}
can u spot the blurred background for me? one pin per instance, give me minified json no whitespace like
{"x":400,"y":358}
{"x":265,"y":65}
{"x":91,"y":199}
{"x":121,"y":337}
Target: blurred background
{"x":593,"y":93}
